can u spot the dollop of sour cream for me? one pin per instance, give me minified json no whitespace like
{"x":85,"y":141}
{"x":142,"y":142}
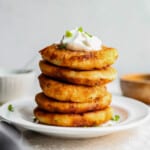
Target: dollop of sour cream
{"x":79,"y":40}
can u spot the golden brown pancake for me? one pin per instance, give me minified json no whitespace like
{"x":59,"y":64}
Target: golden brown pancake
{"x":90,"y":78}
{"x":74,"y":120}
{"x":68,"y":92}
{"x":52,"y":105}
{"x":79,"y":60}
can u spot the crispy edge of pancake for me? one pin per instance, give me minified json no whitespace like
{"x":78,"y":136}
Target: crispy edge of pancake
{"x":68,"y":92}
{"x":52,"y":105}
{"x":79,"y":60}
{"x":74,"y":120}
{"x":89,"y":78}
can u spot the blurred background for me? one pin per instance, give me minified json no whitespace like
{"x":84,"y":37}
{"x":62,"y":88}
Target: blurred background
{"x":26,"y":26}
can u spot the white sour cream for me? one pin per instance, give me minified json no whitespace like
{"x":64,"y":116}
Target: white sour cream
{"x":81,"y":41}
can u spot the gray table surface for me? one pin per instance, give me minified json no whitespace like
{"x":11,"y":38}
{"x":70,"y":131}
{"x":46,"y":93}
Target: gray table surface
{"x":133,"y":139}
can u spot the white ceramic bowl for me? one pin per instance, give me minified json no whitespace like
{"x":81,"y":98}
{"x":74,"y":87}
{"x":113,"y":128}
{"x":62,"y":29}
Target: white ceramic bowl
{"x":15,"y":84}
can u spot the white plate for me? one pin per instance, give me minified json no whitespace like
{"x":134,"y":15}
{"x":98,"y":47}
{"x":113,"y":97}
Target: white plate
{"x":132,"y":113}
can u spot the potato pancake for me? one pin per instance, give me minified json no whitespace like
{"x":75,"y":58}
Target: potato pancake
{"x":69,"y":92}
{"x":79,"y":60}
{"x":74,"y":120}
{"x":89,"y":78}
{"x":52,"y":105}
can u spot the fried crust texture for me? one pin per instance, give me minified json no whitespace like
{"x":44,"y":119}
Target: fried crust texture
{"x":89,"y":78}
{"x":62,"y":91}
{"x":52,"y":105}
{"x":94,"y":118}
{"x":79,"y":60}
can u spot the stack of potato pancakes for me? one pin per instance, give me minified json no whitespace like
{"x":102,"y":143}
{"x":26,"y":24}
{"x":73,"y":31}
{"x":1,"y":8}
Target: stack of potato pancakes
{"x":73,"y":86}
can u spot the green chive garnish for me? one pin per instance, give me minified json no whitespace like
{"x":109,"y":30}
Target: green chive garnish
{"x":62,"y":46}
{"x":35,"y":120}
{"x":68,"y":34}
{"x":80,"y":29}
{"x":10,"y":108}
{"x":115,"y":118}
{"x":88,"y":34}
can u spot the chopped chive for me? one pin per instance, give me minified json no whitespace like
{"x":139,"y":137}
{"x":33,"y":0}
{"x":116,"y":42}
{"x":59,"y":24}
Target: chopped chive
{"x":68,"y":34}
{"x":35,"y":120}
{"x":62,"y":46}
{"x":88,"y":34}
{"x":10,"y":108}
{"x":115,"y":118}
{"x":80,"y":29}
